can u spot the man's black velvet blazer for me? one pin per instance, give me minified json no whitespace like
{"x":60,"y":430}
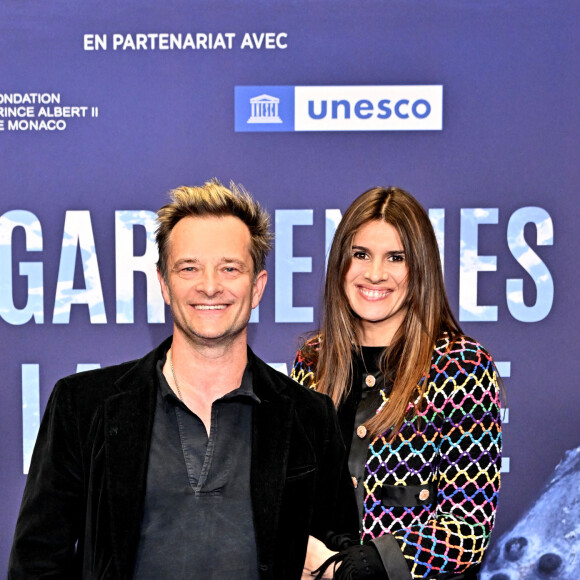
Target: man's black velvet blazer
{"x":83,"y":501}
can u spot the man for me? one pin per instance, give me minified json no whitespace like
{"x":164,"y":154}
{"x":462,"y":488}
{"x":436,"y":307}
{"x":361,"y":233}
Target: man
{"x":198,"y":460}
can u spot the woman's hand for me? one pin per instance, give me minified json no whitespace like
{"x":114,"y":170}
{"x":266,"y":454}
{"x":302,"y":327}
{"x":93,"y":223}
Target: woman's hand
{"x":316,"y":554}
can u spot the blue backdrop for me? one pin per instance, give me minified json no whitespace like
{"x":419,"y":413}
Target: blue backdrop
{"x":470,"y":106}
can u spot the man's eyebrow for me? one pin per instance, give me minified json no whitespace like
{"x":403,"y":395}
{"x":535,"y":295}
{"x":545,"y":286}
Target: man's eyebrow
{"x":183,"y":261}
{"x":223,"y":260}
{"x":238,"y":261}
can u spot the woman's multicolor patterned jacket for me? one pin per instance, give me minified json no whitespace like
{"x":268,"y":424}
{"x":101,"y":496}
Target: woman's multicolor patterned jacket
{"x":450,"y":450}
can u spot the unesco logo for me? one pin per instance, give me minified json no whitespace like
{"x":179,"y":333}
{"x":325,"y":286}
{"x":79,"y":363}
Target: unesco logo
{"x":365,"y":109}
{"x":339,"y":108}
{"x":264,"y":109}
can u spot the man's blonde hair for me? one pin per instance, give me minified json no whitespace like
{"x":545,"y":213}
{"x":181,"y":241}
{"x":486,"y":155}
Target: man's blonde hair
{"x":215,"y":200}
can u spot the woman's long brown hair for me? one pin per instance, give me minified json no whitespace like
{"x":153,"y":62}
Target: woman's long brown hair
{"x":428,"y":315}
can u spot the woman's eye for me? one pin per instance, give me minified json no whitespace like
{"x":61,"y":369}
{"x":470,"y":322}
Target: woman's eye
{"x":397,"y":258}
{"x":359,"y":255}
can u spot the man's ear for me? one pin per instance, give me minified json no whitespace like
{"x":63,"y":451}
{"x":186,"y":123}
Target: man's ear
{"x":258,"y":289}
{"x":164,"y":289}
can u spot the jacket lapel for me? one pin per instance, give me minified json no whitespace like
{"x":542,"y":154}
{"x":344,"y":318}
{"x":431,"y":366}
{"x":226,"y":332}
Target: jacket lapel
{"x":128,"y":425}
{"x":271,"y":433}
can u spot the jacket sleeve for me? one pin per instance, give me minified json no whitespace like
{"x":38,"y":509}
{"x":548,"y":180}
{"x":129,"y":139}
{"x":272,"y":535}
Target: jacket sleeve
{"x":50,"y":515}
{"x":455,"y":536}
{"x":303,"y":371}
{"x":335,"y":508}
{"x":336,"y":511}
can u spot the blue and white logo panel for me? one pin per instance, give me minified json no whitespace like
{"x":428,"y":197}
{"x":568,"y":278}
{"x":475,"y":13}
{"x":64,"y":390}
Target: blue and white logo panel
{"x":264,"y":108}
{"x":339,"y":108}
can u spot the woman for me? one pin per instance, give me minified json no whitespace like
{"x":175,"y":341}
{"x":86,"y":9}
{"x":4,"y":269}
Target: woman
{"x":418,"y":401}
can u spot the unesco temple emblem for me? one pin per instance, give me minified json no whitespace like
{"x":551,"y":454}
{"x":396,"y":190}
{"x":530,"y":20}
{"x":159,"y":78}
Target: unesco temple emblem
{"x":264,"y":109}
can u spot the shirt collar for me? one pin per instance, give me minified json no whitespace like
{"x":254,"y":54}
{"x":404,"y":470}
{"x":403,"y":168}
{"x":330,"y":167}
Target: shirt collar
{"x":245,"y":390}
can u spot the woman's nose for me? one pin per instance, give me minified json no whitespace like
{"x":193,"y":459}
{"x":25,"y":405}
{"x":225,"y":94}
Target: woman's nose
{"x":376,"y":271}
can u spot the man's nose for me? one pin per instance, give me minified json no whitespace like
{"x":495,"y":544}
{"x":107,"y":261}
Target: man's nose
{"x":209,"y":283}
